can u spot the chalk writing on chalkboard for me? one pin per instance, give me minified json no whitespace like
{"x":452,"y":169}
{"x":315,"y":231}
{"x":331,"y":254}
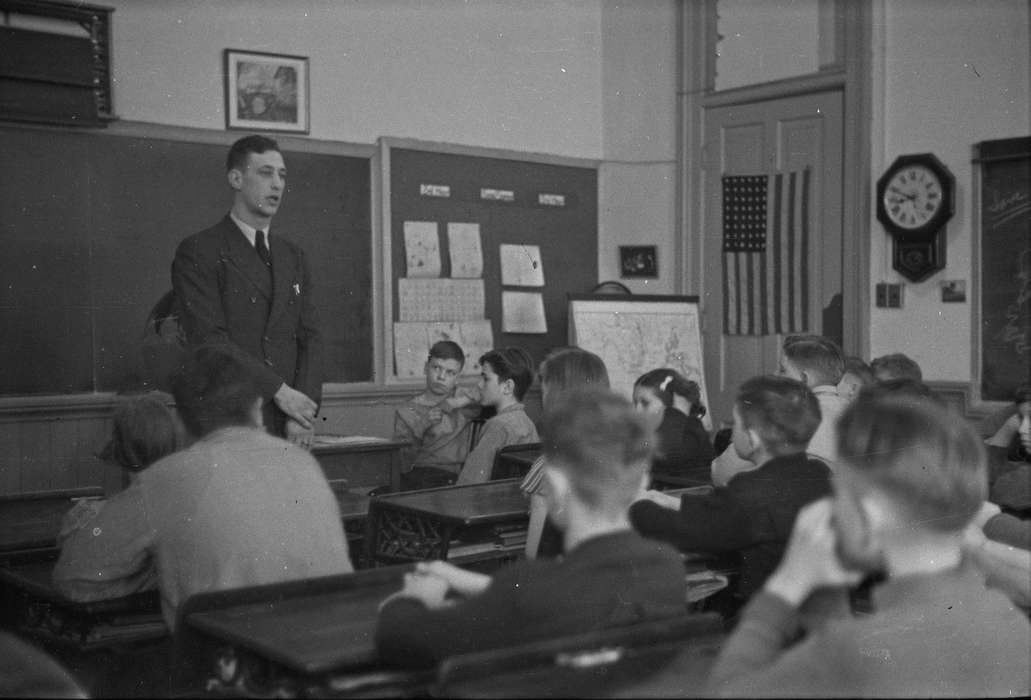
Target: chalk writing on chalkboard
{"x":1015,"y":331}
{"x":1005,"y":208}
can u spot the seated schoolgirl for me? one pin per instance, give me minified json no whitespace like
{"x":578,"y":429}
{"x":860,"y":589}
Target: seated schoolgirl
{"x":672,"y":404}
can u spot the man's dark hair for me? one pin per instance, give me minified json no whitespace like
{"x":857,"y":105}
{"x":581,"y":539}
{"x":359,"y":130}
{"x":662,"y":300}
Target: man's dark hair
{"x":214,"y":388}
{"x":782,"y":410}
{"x":511,"y":363}
{"x":447,"y":350}
{"x":239,"y":151}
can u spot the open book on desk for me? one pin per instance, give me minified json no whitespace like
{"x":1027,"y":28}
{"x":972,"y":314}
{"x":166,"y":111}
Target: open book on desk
{"x":326,"y":440}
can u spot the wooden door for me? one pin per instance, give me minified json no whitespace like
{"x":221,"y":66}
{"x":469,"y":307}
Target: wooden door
{"x":782,"y":135}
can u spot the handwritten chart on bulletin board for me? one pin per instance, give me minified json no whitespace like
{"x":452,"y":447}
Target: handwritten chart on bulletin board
{"x":1005,"y":266}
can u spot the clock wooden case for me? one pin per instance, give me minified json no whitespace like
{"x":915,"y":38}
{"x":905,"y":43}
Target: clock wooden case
{"x":915,"y":199}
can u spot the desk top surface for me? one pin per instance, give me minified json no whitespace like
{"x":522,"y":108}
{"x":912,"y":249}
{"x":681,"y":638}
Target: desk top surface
{"x":472,"y":504}
{"x":34,"y":577}
{"x":31,"y":523}
{"x":342,"y":444}
{"x":311,"y":634}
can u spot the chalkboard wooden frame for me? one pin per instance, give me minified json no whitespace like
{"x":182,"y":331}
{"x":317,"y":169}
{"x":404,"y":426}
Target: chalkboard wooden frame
{"x":385,"y":300}
{"x":987,"y":390}
{"x":99,"y":397}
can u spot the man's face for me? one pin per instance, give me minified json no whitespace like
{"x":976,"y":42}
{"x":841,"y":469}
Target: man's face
{"x":442,"y":375}
{"x":260,"y":185}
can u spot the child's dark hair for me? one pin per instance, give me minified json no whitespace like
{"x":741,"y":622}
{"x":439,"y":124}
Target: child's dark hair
{"x":143,"y":431}
{"x":511,"y":363}
{"x":1022,"y":394}
{"x":214,"y":388}
{"x":816,"y":355}
{"x":783,"y":411}
{"x":896,"y":366}
{"x":667,"y":382}
{"x":236,"y":159}
{"x":447,"y":350}
{"x":858,"y":367}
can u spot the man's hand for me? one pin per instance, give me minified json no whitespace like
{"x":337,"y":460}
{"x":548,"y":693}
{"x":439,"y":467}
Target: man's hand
{"x":296,"y":405}
{"x":811,"y":559}
{"x":466,"y":583}
{"x":428,"y":588}
{"x":298,"y":434}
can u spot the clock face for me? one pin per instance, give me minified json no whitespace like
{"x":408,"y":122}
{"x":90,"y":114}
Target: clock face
{"x":913,"y":196}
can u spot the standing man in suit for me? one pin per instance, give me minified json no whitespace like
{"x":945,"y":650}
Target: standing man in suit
{"x":238,"y":285}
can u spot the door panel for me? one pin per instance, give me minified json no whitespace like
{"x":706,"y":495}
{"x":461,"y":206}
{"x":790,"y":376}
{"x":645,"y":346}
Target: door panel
{"x":764,"y":138}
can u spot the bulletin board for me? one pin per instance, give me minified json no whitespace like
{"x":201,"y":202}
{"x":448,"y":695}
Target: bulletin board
{"x":89,"y":224}
{"x":1004,"y":171}
{"x":546,"y":204}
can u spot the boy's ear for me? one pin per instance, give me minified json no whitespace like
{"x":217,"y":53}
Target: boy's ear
{"x":256,"y":415}
{"x":508,"y":386}
{"x":754,"y":440}
{"x":805,"y":377}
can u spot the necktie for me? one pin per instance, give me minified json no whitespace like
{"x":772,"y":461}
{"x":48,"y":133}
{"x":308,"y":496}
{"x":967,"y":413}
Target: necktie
{"x":262,"y":247}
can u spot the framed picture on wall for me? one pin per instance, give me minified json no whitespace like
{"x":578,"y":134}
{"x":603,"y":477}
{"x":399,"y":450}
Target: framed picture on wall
{"x":638,"y":261}
{"x":266,"y":91}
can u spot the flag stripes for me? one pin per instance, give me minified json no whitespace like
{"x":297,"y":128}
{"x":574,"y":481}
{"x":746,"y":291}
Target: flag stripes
{"x":765,"y":287}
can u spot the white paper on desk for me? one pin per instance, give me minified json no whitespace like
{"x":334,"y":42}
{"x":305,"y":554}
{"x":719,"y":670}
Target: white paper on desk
{"x":463,"y":242}
{"x":412,"y":343}
{"x":523,"y":312}
{"x":521,"y":266}
{"x":440,"y":299}
{"x":422,"y":249}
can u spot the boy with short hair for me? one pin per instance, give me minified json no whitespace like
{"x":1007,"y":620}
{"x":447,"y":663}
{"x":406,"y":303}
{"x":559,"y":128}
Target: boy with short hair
{"x":597,"y":454}
{"x":911,"y":479}
{"x":437,"y":422}
{"x":818,"y":363}
{"x":895,"y":366}
{"x":505,"y":376}
{"x":774,"y":418}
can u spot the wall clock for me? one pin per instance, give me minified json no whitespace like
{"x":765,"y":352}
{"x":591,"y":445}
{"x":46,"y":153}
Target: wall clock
{"x":915,"y":199}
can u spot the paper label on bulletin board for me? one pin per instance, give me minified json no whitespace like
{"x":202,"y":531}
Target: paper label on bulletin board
{"x":440,"y":299}
{"x":523,"y":312}
{"x":463,"y":242}
{"x":412,"y":343}
{"x":422,"y":249}
{"x":521,"y":266}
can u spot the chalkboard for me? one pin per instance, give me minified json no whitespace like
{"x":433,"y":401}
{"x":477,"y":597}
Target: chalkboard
{"x":566,"y":234}
{"x":1005,"y":199}
{"x":89,"y":223}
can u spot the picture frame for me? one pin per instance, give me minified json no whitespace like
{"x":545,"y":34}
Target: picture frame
{"x":638,"y":261}
{"x":266,"y":91}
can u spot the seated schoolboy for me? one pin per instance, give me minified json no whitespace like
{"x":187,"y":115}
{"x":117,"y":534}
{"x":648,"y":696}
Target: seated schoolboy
{"x":817,"y":361}
{"x":505,"y":375}
{"x":437,"y":422}
{"x":911,"y":478}
{"x":1009,"y":455}
{"x":143,"y":430}
{"x":597,"y":453}
{"x":673,"y":404}
{"x":895,"y":366}
{"x":774,"y":417}
{"x":238,"y":508}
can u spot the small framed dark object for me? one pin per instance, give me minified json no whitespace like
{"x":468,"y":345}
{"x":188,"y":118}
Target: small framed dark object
{"x":915,"y":199}
{"x":638,"y":261}
{"x":266,"y":91}
{"x":954,"y":291}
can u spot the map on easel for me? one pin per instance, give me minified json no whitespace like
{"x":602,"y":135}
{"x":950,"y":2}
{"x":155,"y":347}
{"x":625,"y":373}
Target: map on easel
{"x":636,"y":334}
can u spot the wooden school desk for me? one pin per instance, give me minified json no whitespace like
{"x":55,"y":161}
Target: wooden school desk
{"x":360,"y":461}
{"x":31,"y":522}
{"x":311,"y":637}
{"x":469,"y":523}
{"x":626,"y":661}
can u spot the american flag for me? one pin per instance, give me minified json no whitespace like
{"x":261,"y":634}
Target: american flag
{"x":765,"y":253}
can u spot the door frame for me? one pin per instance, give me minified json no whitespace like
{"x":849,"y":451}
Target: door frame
{"x":849,"y":70}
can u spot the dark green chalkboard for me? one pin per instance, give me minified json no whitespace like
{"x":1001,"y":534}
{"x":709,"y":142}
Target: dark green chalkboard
{"x":567,"y":235}
{"x":1005,"y":265}
{"x":89,"y":223}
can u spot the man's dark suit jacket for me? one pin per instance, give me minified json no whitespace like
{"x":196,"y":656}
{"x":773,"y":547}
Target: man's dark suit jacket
{"x":227,"y":296}
{"x":753,"y":515}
